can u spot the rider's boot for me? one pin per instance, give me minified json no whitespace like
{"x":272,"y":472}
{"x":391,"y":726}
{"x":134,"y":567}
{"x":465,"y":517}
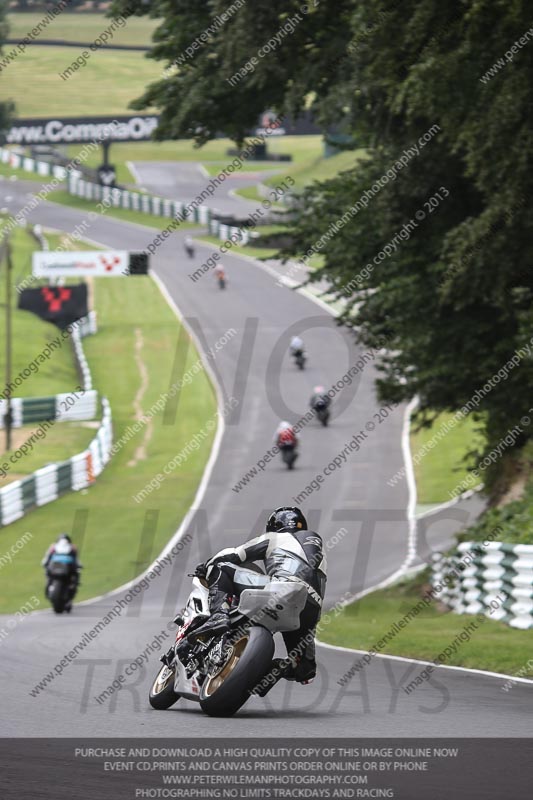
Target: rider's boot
{"x":218,"y":622}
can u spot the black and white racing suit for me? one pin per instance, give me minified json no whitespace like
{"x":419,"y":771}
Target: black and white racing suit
{"x":296,"y":556}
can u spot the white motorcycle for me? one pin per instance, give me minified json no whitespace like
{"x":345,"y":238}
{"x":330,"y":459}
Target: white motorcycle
{"x":221,"y":672}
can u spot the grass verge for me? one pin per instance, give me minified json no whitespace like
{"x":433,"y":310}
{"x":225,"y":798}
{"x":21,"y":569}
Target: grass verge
{"x":261,"y":253}
{"x":493,"y":646}
{"x":443,"y":467}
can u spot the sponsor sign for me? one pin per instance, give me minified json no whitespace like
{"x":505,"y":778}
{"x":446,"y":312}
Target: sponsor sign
{"x":78,"y":130}
{"x":66,"y":265}
{"x":60,"y":305}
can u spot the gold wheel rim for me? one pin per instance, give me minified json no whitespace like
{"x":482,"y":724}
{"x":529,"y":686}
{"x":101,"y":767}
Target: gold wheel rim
{"x":214,"y":682}
{"x":165,"y":676}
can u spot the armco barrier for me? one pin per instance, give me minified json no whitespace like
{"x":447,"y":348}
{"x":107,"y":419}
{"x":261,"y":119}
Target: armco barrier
{"x":136,"y":201}
{"x":44,"y":168}
{"x":48,"y":483}
{"x":64,"y":407}
{"x":224,"y":232}
{"x":478,"y":573}
{"x":158,"y":206}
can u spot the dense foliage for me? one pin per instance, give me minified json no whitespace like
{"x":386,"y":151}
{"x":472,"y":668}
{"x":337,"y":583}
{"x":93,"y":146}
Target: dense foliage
{"x":452,"y":292}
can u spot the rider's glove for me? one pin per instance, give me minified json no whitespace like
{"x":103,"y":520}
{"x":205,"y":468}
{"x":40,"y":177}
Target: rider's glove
{"x":200,"y":571}
{"x":233,"y":558}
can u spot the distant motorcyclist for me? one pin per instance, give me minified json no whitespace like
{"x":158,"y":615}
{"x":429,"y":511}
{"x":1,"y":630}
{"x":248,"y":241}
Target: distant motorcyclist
{"x":296,"y":346}
{"x":285,"y":435}
{"x":189,"y":246}
{"x":297,"y":350}
{"x":320,"y":403}
{"x":289,"y":552}
{"x":63,"y":552}
{"x":286,"y":440}
{"x":220,"y":275}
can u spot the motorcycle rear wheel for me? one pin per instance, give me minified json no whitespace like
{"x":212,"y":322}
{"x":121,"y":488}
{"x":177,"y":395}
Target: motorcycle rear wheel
{"x":56,"y":593}
{"x":223,"y":693}
{"x":162,"y":694}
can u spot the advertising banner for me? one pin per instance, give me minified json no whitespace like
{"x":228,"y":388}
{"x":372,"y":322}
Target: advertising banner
{"x":78,"y":130}
{"x":60,"y":305}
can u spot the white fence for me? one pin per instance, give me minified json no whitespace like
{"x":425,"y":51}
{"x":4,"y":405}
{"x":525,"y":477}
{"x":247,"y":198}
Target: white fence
{"x":44,"y":168}
{"x":48,"y":483}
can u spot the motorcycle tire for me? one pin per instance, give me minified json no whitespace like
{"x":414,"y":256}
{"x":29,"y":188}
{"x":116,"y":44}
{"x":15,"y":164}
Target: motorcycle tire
{"x":56,"y":594}
{"x":162,"y":694}
{"x":225,"y":692}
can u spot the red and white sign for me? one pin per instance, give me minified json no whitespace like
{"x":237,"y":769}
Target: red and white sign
{"x":100,"y":263}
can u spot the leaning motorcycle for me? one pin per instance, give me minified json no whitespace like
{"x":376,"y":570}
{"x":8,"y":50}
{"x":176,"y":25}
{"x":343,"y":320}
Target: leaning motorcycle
{"x":223,"y":671}
{"x":60,"y":590}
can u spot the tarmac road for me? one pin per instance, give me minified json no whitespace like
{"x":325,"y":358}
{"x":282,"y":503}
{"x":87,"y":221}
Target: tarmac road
{"x":355,"y":497}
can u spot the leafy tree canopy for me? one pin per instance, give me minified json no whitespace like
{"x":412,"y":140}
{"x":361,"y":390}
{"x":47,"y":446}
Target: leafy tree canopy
{"x":439,"y":258}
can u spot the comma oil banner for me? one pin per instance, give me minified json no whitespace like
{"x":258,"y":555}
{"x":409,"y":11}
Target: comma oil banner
{"x":60,"y":305}
{"x":79,"y":130}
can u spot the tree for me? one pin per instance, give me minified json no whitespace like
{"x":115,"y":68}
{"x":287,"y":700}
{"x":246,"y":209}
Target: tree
{"x":452,"y":293}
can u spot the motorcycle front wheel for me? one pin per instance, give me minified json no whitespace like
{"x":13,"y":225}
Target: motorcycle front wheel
{"x":162,"y":694}
{"x":224,"y":692}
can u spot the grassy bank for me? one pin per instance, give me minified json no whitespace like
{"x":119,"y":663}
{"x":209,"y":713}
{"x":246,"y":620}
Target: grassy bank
{"x":443,"y":467}
{"x":106,"y":85}
{"x":261,"y":253}
{"x":514,"y":514}
{"x":493,"y":646}
{"x":131,"y":356}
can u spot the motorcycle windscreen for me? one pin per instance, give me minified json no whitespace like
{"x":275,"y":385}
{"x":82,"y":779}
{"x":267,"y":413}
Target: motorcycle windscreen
{"x":277,"y":607}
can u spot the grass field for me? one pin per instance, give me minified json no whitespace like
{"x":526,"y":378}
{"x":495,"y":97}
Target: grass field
{"x":60,"y":442}
{"x":77,"y":27}
{"x":310,"y":166}
{"x":119,"y":537}
{"x":443,"y":467}
{"x":493,"y":646}
{"x":320,"y":168}
{"x":106,"y":85}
